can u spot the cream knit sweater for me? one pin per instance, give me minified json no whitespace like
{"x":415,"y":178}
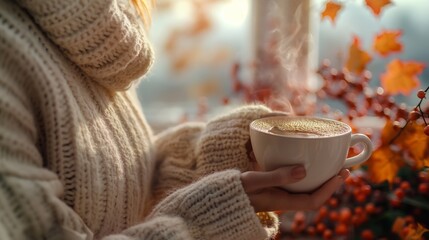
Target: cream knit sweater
{"x":78,"y":160}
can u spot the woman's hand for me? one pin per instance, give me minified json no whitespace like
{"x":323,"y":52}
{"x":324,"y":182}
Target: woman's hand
{"x":265,"y":195}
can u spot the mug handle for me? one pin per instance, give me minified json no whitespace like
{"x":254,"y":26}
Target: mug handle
{"x":364,"y":155}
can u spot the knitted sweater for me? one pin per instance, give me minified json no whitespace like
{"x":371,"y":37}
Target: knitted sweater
{"x":77,"y":158}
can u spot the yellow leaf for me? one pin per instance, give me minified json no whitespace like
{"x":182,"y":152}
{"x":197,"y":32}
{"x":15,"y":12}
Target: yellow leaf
{"x":357,"y":59}
{"x":331,"y":10}
{"x":386,"y":42}
{"x":401,"y":76}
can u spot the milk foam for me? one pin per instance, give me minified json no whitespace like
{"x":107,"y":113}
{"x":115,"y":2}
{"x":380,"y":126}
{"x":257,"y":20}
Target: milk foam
{"x":301,"y":127}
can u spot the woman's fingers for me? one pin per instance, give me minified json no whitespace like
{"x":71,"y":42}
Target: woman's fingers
{"x":271,"y":199}
{"x":254,"y":181}
{"x":344,"y":173}
{"x":278,"y":113}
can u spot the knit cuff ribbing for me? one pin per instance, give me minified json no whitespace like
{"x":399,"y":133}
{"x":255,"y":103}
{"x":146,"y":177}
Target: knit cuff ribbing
{"x":215,"y":207}
{"x":223,"y":142}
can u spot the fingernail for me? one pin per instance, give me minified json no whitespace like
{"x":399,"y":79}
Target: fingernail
{"x":298,"y":172}
{"x":345,"y":174}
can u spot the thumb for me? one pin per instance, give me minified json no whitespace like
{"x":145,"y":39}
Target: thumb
{"x":254,"y":180}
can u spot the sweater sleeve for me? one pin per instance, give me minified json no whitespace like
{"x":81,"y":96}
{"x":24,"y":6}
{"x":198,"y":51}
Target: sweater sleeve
{"x":224,"y":142}
{"x":214,"y":207}
{"x":192,"y":150}
{"x":31,"y":204}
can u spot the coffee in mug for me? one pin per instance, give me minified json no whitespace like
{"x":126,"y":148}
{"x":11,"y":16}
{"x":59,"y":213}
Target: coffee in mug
{"x":319,"y":144}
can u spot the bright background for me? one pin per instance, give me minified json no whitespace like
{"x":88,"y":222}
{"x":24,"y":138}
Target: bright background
{"x":197,"y":41}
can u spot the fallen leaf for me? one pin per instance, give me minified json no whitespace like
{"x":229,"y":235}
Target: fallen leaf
{"x":384,"y":164}
{"x":331,"y":10}
{"x":357,"y":59}
{"x":377,"y":5}
{"x":387,"y":42}
{"x":401,"y":76}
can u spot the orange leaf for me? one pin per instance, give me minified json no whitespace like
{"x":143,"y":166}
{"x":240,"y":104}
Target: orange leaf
{"x":384,"y":164}
{"x":204,"y":88}
{"x":357,"y":59}
{"x":388,"y":132}
{"x":416,"y":234}
{"x":331,"y":10}
{"x":412,"y":140}
{"x":185,"y":59}
{"x":377,"y":5}
{"x":416,"y":143}
{"x":171,"y":44}
{"x":202,"y":21}
{"x":398,"y":225}
{"x":400,"y":76}
{"x":386,"y":42}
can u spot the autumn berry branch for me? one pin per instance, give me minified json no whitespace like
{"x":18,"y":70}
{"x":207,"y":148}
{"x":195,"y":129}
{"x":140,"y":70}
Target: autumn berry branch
{"x":414,"y":115}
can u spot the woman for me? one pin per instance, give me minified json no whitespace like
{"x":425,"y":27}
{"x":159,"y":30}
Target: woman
{"x":78,"y":160}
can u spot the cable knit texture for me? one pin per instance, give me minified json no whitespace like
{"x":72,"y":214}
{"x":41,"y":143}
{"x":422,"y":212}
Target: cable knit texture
{"x":104,"y":38}
{"x":77,"y":158}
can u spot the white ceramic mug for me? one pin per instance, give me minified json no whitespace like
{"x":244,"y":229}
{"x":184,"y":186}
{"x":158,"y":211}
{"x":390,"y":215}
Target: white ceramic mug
{"x":323,"y":156}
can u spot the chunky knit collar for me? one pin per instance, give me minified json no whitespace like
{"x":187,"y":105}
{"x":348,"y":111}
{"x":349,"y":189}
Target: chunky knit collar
{"x":104,"y":38}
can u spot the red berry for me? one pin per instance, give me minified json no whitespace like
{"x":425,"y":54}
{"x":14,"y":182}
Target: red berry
{"x":367,"y":234}
{"x":311,"y":230}
{"x":333,"y":202}
{"x":299,"y":218}
{"x":396,"y":125}
{"x":328,"y":234}
{"x":414,"y":115}
{"x":323,"y":211}
{"x":333,"y":216}
{"x":345,"y":215}
{"x":370,"y":208}
{"x":395,"y":202}
{"x":341,"y":229}
{"x":426,"y":130}
{"x":423,"y":188}
{"x":358,"y":210}
{"x":424,"y":176}
{"x":361,"y":198}
{"x":405,"y":186}
{"x":320,"y":227}
{"x":366,"y":189}
{"x":421,"y":94}
{"x":409,"y":219}
{"x":405,"y":231}
{"x":399,"y":193}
